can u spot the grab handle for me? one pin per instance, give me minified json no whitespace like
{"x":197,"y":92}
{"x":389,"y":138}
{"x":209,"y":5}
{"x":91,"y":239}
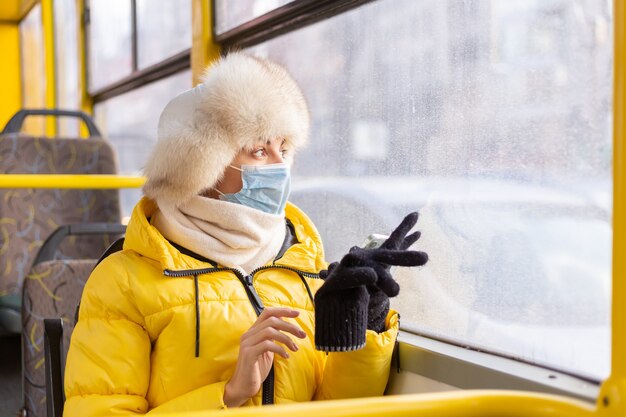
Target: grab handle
{"x":15,"y":124}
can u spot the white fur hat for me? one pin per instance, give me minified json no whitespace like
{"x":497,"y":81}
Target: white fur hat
{"x":241,"y":101}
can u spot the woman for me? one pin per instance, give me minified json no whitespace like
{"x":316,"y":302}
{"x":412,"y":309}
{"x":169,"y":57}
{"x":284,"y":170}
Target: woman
{"x":210,"y":304}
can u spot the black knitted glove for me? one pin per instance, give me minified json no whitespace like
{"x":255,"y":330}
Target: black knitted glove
{"x":395,"y":250}
{"x":359,"y":287}
{"x":341,"y":306}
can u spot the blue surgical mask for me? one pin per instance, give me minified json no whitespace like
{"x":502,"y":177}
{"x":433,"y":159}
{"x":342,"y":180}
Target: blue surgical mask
{"x":265,"y":187}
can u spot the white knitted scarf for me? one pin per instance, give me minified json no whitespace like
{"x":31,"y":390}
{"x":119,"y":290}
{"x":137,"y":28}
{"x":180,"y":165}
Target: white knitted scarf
{"x":231,"y":234}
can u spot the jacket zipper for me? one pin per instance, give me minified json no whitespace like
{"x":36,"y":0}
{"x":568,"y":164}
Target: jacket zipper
{"x":247,"y":281}
{"x":200,"y":271}
{"x":288,"y":268}
{"x":268,"y":384}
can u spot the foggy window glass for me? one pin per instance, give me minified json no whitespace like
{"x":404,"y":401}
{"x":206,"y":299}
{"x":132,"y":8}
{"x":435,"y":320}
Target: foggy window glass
{"x":230,"y":14}
{"x":109,"y":46}
{"x":493,"y":120}
{"x":129,"y":122}
{"x":33,"y":70}
{"x":163,"y":30}
{"x":66,"y":35}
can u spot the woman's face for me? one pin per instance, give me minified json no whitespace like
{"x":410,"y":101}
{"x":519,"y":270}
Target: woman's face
{"x":271,"y":152}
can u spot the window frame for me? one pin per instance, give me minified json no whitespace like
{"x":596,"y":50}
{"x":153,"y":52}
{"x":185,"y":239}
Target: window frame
{"x":287,"y":18}
{"x":465,"y":368}
{"x":138,"y":77}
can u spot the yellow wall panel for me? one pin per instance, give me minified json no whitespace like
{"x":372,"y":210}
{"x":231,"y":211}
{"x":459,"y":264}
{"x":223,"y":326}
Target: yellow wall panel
{"x":10,"y":82}
{"x":49,"y":60}
{"x":12,"y":11}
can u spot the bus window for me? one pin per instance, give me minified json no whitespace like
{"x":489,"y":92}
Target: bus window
{"x":109,"y":46}
{"x":66,"y":60}
{"x":33,"y":69}
{"x":129,"y":122}
{"x":163,"y":30}
{"x":230,"y":14}
{"x":493,"y":119}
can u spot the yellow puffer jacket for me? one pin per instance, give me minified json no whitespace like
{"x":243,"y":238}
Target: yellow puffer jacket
{"x":133,"y":350}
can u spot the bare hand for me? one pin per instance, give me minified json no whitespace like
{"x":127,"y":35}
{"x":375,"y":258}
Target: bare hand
{"x":256,"y":353}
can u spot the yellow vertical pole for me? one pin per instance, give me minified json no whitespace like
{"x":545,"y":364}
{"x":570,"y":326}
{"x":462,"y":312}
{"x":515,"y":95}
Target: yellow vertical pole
{"x":619,"y":195}
{"x":86,"y":103}
{"x":10,"y":75}
{"x":47,"y":16}
{"x":612,"y":398}
{"x":203,"y":47}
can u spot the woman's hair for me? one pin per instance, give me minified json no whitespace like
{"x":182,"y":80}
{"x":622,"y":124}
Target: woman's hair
{"x":242,"y":100}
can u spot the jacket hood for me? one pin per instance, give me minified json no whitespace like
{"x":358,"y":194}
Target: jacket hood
{"x":242,"y":100}
{"x":147,"y":241}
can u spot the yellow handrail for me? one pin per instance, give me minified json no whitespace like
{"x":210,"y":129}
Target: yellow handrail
{"x":69,"y":181}
{"x":483,"y":403}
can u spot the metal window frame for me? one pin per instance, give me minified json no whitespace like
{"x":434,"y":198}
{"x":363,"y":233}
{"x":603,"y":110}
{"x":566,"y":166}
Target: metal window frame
{"x":162,"y":70}
{"x":133,"y":36}
{"x":284,"y":19}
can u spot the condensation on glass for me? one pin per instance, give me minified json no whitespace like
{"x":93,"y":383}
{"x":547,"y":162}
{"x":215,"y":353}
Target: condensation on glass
{"x":129,"y":122}
{"x":33,"y":69}
{"x":66,"y":50}
{"x":109,"y":46}
{"x":163,"y":30}
{"x":493,"y":120}
{"x":230,"y":14}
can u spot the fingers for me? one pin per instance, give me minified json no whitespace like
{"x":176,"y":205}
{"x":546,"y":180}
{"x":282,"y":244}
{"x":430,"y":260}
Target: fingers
{"x":272,"y":317}
{"x":269,"y":329}
{"x":409,"y":240}
{"x":387,"y":284}
{"x":397,"y":236}
{"x":350,"y":277}
{"x":271,"y":334}
{"x":400,"y":257}
{"x":277,"y":312}
{"x":275,"y":323}
{"x":268,"y":346}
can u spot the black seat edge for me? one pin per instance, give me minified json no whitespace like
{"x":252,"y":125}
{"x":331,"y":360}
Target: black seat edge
{"x":53,"y":346}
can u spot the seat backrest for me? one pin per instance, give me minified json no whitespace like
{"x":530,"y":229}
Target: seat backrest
{"x":52,"y":289}
{"x":28,"y":216}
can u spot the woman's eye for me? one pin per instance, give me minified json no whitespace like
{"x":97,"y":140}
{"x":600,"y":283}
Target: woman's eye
{"x":259,"y":153}
{"x":284,"y":152}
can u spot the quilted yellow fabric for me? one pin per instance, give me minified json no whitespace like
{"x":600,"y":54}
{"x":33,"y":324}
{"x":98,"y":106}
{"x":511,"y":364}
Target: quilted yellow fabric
{"x":133,"y":348}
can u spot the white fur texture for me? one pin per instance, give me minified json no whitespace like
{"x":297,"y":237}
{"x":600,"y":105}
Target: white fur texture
{"x":241,"y":101}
